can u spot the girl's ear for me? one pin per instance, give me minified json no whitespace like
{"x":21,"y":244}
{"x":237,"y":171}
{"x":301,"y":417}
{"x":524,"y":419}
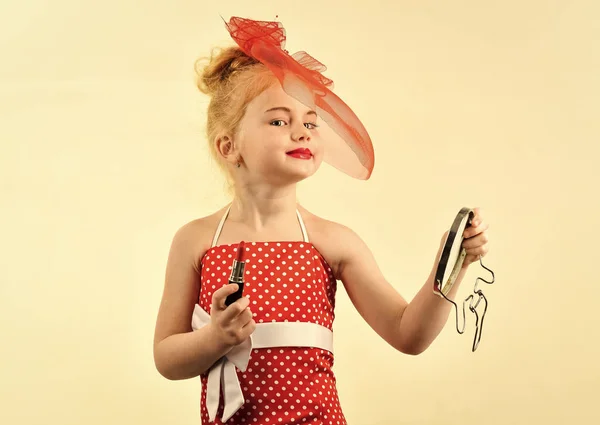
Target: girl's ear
{"x":227,"y":149}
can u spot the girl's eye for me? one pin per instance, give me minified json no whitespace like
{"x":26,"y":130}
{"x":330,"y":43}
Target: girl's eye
{"x":309,"y":125}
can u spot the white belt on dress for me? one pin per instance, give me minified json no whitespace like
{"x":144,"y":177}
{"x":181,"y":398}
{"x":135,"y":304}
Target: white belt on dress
{"x":266,"y":335}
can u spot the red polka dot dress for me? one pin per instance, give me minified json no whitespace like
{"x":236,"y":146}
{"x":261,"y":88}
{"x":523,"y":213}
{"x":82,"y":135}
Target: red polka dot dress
{"x":285,"y":282}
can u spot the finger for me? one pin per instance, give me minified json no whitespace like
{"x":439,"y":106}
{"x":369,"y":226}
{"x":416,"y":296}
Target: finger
{"x":244,"y":317}
{"x":249,"y":327}
{"x":233,"y":311}
{"x":477,"y":251}
{"x":477,"y":217}
{"x":475,"y":230}
{"x":475,"y":241}
{"x":221,"y":294}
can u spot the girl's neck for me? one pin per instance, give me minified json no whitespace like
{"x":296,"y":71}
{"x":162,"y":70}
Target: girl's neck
{"x":258,"y":210}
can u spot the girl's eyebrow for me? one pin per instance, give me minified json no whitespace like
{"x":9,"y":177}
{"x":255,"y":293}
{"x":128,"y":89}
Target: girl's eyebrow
{"x":288,"y":110}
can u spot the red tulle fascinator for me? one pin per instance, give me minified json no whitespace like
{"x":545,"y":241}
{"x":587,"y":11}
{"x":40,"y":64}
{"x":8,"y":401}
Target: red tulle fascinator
{"x":349,"y":149}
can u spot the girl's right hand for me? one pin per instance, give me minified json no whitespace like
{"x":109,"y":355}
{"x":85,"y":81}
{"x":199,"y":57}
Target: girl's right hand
{"x":233,"y":324}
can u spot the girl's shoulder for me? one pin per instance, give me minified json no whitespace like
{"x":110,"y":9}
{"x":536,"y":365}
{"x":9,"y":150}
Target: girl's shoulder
{"x":334,"y":241}
{"x":197,"y":235}
{"x":321,"y":227}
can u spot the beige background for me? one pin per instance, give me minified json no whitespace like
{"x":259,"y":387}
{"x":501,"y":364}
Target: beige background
{"x":469,"y":103}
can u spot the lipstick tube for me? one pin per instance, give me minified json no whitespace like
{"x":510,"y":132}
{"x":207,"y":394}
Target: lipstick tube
{"x":237,"y":276}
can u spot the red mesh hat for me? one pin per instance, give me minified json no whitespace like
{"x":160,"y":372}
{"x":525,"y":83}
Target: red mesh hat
{"x":348,"y":148}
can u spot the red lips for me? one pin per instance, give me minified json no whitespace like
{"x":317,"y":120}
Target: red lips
{"x":300,"y":152}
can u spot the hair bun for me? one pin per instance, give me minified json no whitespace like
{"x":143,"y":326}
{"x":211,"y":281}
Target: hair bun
{"x":222,"y":65}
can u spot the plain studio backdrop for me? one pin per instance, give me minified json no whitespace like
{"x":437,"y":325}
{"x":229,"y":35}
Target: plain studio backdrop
{"x":469,"y":103}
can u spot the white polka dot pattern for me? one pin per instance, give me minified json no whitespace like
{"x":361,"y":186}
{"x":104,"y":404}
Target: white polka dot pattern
{"x":286,"y":282}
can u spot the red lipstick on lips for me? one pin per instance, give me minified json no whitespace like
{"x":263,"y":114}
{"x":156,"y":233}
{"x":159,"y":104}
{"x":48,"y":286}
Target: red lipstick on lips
{"x":301,"y":153}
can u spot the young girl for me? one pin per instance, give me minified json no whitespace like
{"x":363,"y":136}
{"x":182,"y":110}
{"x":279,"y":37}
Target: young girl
{"x":267,"y":358}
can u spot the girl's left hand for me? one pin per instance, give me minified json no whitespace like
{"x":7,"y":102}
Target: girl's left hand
{"x":476,"y":242}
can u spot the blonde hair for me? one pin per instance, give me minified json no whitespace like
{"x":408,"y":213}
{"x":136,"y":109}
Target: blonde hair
{"x":231,"y":79}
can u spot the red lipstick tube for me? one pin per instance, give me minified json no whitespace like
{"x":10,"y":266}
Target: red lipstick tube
{"x":237,"y":275}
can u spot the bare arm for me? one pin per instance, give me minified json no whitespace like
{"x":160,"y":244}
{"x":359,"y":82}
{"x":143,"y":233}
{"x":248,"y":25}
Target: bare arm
{"x":408,"y":327}
{"x":179,"y":351}
{"x":427,"y":313}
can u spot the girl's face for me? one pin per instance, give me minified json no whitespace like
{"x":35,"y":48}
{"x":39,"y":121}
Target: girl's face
{"x":278,"y":139}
